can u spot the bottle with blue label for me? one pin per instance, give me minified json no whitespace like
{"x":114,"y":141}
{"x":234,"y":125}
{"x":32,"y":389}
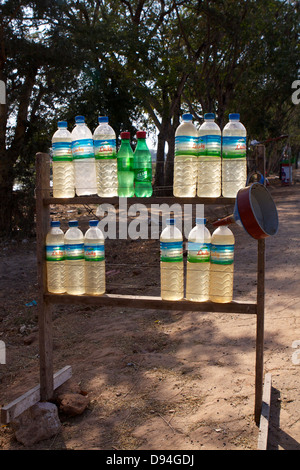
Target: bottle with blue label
{"x":55,"y":259}
{"x":84,"y":158}
{"x":185,"y":160}
{"x":94,"y":257}
{"x":234,"y":162}
{"x":171,"y":262}
{"x":74,"y":255}
{"x":105,"y":158}
{"x":222,"y":265}
{"x":198,"y":263}
{"x":62,"y":162}
{"x":209,"y":158}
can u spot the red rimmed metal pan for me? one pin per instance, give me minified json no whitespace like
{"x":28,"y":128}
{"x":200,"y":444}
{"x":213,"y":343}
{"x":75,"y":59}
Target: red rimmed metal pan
{"x":255,"y":211}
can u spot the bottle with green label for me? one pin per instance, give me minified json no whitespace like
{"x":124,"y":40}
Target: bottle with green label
{"x":105,"y":158}
{"x":234,"y":163}
{"x":55,"y":259}
{"x":142,"y":165}
{"x":74,"y":254}
{"x":198,"y":263}
{"x":209,"y":158}
{"x":62,"y":162}
{"x":171,"y":262}
{"x":222,"y":265}
{"x":185,"y":160}
{"x":94,"y":257}
{"x":125,"y":167}
{"x":84,"y":158}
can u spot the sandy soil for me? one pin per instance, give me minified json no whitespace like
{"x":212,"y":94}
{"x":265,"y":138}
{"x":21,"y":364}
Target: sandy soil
{"x":161,"y":380}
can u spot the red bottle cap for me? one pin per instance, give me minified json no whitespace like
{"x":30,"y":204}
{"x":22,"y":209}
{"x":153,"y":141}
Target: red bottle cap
{"x":125,"y":135}
{"x":141,"y":134}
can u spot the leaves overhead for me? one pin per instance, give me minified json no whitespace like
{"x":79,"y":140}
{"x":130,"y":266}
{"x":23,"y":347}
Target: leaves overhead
{"x":142,"y":62}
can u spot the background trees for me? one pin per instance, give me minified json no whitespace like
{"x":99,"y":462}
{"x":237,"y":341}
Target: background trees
{"x":143,"y":63}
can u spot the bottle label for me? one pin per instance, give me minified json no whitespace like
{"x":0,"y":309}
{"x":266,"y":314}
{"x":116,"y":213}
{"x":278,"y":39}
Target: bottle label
{"x":55,"y":252}
{"x":141,"y":175}
{"x":198,"y":252}
{"x":234,"y":147}
{"x":202,"y":145}
{"x":62,"y":152}
{"x":209,"y":145}
{"x":83,"y":148}
{"x":222,"y":254}
{"x":105,"y":148}
{"x":186,"y":145}
{"x":94,"y":252}
{"x":74,"y":252}
{"x":171,"y":252}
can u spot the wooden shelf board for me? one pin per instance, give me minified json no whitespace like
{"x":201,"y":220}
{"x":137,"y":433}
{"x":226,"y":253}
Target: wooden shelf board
{"x":138,"y":200}
{"x":149,"y":302}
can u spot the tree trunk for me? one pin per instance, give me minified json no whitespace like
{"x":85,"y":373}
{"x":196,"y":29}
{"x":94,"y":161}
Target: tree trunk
{"x":6,"y":177}
{"x":165,"y":165}
{"x":160,"y":163}
{"x":170,"y":137}
{"x":6,"y":194}
{"x":9,"y":157}
{"x":169,"y":165}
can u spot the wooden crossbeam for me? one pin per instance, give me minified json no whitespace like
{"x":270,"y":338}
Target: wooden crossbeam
{"x":47,"y":200}
{"x":149,"y":302}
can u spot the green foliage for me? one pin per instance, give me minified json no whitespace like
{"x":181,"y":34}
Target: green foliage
{"x":141,"y":62}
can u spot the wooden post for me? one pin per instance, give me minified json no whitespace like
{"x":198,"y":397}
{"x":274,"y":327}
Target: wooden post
{"x":44,"y":309}
{"x":260,"y":329}
{"x":261,"y":167}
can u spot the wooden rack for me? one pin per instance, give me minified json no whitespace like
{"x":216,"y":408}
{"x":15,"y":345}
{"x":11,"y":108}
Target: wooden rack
{"x":50,"y":381}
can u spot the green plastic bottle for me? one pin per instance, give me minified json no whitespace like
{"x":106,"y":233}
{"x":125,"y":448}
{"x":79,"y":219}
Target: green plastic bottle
{"x":125,"y":167}
{"x":142,"y":165}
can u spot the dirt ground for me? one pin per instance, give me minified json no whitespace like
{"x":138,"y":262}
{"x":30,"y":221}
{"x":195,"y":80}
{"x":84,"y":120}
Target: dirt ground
{"x":161,"y":380}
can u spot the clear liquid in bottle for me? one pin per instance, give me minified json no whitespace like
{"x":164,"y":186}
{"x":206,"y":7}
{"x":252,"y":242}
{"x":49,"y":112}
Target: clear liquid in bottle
{"x":62,"y":164}
{"x":55,"y":259}
{"x":222,"y":265}
{"x":94,"y":260}
{"x":209,"y":158}
{"x":185,"y":160}
{"x":105,"y":159}
{"x":84,"y":158}
{"x":74,"y":252}
{"x":171,"y":262}
{"x":234,"y":163}
{"x":198,"y":263}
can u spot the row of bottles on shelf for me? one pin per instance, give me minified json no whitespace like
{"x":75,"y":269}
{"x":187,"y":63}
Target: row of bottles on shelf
{"x":76,"y":262}
{"x":210,"y":264}
{"x":207,"y":162}
{"x":210,"y":162}
{"x":88,"y":163}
